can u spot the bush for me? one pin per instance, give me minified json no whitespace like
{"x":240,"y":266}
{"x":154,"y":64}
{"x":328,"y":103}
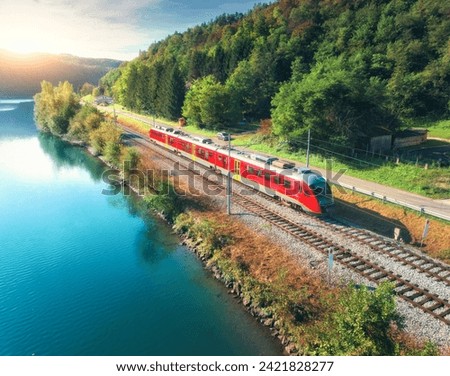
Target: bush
{"x":360,"y":325}
{"x":205,"y":231}
{"x":166,"y":201}
{"x":130,"y":161}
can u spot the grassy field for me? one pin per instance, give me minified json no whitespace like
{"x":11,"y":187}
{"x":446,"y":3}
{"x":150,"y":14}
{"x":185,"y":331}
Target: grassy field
{"x":203,"y":132}
{"x":433,"y":182}
{"x":236,"y":131}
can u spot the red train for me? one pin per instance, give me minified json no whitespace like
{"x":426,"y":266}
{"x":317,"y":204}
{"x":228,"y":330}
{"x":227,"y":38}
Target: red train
{"x":301,"y":188}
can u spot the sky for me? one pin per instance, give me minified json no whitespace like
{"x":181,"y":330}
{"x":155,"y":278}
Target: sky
{"x":115,"y":29}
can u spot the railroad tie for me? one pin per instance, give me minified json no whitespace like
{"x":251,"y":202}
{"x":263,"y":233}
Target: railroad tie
{"x":415,"y":296}
{"x":445,"y":313}
{"x":436,"y":306}
{"x":405,"y":290}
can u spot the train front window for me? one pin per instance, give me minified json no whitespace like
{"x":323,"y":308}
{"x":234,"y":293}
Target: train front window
{"x":318,"y":190}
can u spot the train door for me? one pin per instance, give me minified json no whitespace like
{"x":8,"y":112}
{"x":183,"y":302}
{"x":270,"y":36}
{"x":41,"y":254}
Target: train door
{"x":237,"y":170}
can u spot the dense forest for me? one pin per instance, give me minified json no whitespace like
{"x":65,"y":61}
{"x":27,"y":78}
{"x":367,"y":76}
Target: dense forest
{"x":346,"y":69}
{"x":21,"y":74}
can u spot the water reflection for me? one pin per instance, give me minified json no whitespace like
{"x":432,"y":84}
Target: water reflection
{"x":66,"y":155}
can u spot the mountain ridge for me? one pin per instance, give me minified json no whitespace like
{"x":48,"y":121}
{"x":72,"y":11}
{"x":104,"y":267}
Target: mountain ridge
{"x":21,"y":74}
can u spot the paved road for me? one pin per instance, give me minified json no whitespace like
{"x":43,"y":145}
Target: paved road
{"x":439,"y":207}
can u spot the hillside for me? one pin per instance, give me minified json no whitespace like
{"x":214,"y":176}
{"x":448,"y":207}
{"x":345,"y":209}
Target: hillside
{"x":20,"y":75}
{"x":345,"y":69}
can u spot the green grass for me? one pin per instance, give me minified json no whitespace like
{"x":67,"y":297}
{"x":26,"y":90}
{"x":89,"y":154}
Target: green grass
{"x":147,"y":118}
{"x":200,"y":131}
{"x":235,"y":131}
{"x":439,"y":128}
{"x":434,"y":182}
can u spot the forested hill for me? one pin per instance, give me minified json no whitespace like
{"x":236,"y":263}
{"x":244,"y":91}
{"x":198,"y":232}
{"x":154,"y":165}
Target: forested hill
{"x":21,"y":74}
{"x":346,"y":69}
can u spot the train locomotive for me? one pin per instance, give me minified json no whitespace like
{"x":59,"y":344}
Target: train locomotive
{"x":301,"y":188}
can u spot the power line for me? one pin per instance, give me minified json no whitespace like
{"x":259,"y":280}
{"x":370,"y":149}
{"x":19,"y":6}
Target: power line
{"x":340,"y":154}
{"x":349,"y":147}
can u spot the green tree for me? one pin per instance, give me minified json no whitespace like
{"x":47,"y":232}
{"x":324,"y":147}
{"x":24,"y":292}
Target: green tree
{"x":86,"y":89}
{"x":252,"y":89}
{"x":55,"y":107}
{"x":104,"y":138}
{"x":171,"y":91}
{"x":112,"y":152}
{"x":84,"y":122}
{"x":210,"y":104}
{"x":334,"y":103}
{"x":398,"y":49}
{"x":130,"y":161}
{"x":108,"y":81}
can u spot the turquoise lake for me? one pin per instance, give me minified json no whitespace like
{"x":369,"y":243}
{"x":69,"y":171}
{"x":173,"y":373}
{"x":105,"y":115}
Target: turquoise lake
{"x":82,"y":273}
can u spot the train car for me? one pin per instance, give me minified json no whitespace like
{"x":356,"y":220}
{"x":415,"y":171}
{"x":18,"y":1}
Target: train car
{"x":301,"y":188}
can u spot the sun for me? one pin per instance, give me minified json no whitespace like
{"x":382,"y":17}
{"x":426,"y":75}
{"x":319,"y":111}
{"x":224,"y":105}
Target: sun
{"x":27,"y":41}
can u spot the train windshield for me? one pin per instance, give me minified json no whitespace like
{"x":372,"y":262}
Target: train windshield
{"x":321,"y":190}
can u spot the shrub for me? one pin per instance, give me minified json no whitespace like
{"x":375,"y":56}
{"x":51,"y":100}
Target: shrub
{"x":165,"y":200}
{"x":360,"y":325}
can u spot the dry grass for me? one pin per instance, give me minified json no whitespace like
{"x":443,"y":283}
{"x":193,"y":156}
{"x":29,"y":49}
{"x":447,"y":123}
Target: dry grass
{"x":133,"y":124}
{"x":266,"y":260}
{"x":384,"y":218}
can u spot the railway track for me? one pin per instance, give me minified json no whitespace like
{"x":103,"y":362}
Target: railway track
{"x":418,"y":297}
{"x":423,"y":264}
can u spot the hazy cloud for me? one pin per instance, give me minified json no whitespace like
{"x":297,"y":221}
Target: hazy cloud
{"x":84,"y":27}
{"x":101,"y":28}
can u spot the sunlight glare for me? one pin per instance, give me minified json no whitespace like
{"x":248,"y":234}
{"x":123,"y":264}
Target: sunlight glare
{"x":24,"y":160}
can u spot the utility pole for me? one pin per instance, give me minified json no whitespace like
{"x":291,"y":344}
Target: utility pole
{"x":307,"y":148}
{"x":114,"y":113}
{"x":229,"y":176}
